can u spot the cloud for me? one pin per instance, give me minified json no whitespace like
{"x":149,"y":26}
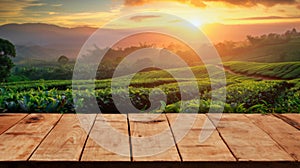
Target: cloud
{"x":268,"y":18}
{"x":143,"y":17}
{"x":52,"y":13}
{"x":281,"y":10}
{"x":201,"y":3}
{"x":250,"y":3}
{"x":196,"y":3}
{"x":57,"y":5}
{"x":136,"y":2}
{"x":13,"y":8}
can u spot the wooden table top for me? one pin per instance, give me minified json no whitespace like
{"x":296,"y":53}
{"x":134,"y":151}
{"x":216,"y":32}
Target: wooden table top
{"x":245,"y":140}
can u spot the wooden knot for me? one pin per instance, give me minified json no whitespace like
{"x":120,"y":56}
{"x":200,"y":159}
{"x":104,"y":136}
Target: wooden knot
{"x":34,"y":119}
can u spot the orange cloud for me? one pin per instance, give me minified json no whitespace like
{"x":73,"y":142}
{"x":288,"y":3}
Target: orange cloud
{"x":196,"y":3}
{"x":268,"y":18}
{"x":201,"y":3}
{"x":249,"y":3}
{"x":14,"y":8}
{"x":143,"y":17}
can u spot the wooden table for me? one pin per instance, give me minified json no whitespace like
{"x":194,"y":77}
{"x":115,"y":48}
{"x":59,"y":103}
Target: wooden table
{"x":241,"y":140}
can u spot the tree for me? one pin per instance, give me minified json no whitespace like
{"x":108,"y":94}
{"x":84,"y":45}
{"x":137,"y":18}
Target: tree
{"x":294,"y":32}
{"x":7,"y":50}
{"x":63,"y":60}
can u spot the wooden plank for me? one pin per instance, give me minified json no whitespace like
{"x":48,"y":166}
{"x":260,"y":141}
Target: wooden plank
{"x":18,"y":143}
{"x":284,"y":134}
{"x":190,"y":147}
{"x":108,"y":140}
{"x":64,"y":143}
{"x":247,"y":141}
{"x":292,"y":119}
{"x":8,"y":120}
{"x":295,"y":117}
{"x":151,"y":138}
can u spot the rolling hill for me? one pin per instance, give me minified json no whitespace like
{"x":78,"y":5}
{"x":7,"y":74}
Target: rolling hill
{"x":44,"y":41}
{"x":283,"y":52}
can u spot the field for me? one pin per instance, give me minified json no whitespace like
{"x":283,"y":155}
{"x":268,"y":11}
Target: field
{"x":282,"y":70}
{"x":272,"y":51}
{"x":251,"y":88}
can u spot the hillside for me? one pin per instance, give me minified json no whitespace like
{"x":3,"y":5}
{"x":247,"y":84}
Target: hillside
{"x":45,"y":35}
{"x":44,"y":41}
{"x":270,"y":71}
{"x":284,"y":52}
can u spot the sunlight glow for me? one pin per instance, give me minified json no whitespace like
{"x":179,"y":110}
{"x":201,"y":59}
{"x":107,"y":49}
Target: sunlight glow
{"x":196,"y":22}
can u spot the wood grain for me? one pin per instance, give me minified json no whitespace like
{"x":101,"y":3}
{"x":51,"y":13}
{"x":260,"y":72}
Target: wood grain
{"x":8,"y":120}
{"x":18,"y":143}
{"x":248,"y":142}
{"x":64,"y":143}
{"x":284,"y":134}
{"x":191,"y":149}
{"x":251,"y":140}
{"x":295,"y":117}
{"x":292,"y":119}
{"x":108,"y":140}
{"x":148,"y":144}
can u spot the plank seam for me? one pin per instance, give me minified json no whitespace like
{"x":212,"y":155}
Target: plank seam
{"x":236,"y":158}
{"x":14,"y":124}
{"x":280,"y":146}
{"x":288,"y":121}
{"x":174,"y":139}
{"x":54,"y":125}
{"x":130,"y":142}
{"x":87,"y":137}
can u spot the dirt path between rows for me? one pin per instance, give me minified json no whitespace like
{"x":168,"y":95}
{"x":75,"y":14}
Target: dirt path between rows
{"x":227,"y":69}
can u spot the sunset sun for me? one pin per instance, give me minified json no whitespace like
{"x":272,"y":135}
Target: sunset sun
{"x":196,"y":22}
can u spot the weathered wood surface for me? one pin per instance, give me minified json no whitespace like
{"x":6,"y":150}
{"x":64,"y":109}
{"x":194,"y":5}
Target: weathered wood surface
{"x":19,"y":142}
{"x":57,"y":140}
{"x":292,"y":119}
{"x":93,"y":151}
{"x":146,"y":131}
{"x":9,"y":120}
{"x":285,"y":135}
{"x":64,"y":143}
{"x":248,"y":142}
{"x":213,"y":149}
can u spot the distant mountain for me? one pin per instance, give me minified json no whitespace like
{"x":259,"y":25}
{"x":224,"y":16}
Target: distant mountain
{"x":44,"y":41}
{"x":45,"y":35}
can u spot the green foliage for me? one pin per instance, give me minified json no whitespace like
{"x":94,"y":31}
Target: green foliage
{"x":7,"y":50}
{"x":63,"y":60}
{"x":244,"y":94}
{"x":265,"y":48}
{"x":286,"y":70}
{"x":36,"y":101}
{"x":50,"y":72}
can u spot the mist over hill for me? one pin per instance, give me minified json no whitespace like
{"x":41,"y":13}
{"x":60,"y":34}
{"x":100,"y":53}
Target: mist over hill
{"x":45,"y":41}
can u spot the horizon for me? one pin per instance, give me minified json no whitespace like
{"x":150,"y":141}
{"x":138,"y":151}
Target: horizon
{"x":220,"y":20}
{"x":216,"y":37}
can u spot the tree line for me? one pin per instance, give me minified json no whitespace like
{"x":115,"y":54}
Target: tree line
{"x":227,"y":48}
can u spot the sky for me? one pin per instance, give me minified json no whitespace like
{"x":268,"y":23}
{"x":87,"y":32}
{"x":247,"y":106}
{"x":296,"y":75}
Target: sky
{"x":201,"y":13}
